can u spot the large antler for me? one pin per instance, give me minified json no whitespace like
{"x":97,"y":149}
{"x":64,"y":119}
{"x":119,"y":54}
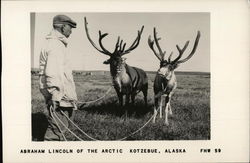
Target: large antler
{"x":161,"y":54}
{"x":120,"y":47}
{"x":101,"y":36}
{"x":181,"y":51}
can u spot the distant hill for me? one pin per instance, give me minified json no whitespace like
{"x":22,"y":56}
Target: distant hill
{"x":35,"y":71}
{"x":185,"y":72}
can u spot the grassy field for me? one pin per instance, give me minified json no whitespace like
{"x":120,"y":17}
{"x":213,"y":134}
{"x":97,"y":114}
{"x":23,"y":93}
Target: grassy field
{"x":105,"y":120}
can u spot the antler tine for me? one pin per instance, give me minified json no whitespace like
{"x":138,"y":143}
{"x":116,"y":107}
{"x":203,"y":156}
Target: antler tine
{"x":135,"y":43}
{"x":123,"y":47}
{"x":100,"y":38}
{"x":120,"y":46}
{"x":181,"y":51}
{"x":193,"y":50}
{"x":151,"y":45}
{"x":158,"y":45}
{"x":117,"y":44}
{"x":169,"y":58}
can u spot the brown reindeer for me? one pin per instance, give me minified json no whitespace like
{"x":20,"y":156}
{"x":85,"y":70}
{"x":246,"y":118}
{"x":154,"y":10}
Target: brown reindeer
{"x":165,"y":81}
{"x":127,"y":80}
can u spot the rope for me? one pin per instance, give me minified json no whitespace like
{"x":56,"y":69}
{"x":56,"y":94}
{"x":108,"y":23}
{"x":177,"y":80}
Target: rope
{"x":81,"y":102}
{"x":53,"y":115}
{"x":52,"y":112}
{"x":78,"y":127}
{"x":88,"y":102}
{"x":67,"y":127}
{"x":101,"y":140}
{"x":138,"y":129}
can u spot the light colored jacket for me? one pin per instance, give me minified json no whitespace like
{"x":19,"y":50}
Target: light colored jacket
{"x":55,"y":72}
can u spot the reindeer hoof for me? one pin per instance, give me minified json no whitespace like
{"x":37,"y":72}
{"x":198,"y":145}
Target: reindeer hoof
{"x":166,"y":123}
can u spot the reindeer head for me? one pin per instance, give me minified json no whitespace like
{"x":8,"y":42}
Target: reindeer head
{"x":168,"y":66}
{"x":116,"y":60}
{"x":116,"y":63}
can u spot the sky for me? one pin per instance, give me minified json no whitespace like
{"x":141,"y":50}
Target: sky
{"x":173,"y":28}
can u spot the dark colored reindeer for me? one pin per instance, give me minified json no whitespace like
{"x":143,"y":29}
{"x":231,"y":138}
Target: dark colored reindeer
{"x":127,"y":80}
{"x":165,"y":81}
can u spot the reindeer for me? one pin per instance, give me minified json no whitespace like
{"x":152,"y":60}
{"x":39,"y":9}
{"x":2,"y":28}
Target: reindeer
{"x":127,"y":80}
{"x":165,"y":81}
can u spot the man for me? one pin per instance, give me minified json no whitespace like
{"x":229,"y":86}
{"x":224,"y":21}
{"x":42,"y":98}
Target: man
{"x":56,"y":80}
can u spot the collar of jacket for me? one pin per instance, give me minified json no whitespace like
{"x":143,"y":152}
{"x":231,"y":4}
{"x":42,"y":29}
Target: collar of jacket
{"x":54,"y":34}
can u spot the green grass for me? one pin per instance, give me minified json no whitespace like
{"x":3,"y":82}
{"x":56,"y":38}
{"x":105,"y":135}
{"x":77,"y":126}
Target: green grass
{"x":105,"y":120}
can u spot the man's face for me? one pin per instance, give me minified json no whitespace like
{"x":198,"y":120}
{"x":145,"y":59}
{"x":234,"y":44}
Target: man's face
{"x":67,"y":30}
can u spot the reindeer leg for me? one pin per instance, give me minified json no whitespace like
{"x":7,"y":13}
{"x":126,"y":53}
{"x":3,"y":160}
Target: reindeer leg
{"x":166,"y":114}
{"x":160,"y":107}
{"x":133,"y":97}
{"x":167,"y":109}
{"x":127,"y":104}
{"x":145,"y":101}
{"x":155,"y":109}
{"x":127,"y":99}
{"x":155,"y":114}
{"x":170,"y":110}
{"x":145,"y":94}
{"x":121,"y":99}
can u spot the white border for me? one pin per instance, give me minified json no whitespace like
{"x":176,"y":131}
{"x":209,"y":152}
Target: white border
{"x":229,"y":83}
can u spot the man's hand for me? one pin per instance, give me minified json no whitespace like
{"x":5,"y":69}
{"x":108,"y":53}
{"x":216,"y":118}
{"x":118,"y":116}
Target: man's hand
{"x":54,"y":104}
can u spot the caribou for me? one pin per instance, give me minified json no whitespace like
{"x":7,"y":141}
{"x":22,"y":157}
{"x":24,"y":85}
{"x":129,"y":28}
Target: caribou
{"x":165,"y":80}
{"x":127,"y":80}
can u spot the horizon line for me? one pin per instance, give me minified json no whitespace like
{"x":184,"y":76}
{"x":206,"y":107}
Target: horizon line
{"x":144,"y":70}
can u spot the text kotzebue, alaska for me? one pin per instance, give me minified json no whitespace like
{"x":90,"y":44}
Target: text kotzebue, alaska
{"x":134,"y":150}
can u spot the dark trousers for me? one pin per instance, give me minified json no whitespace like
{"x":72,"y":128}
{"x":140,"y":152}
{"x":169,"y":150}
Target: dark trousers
{"x":55,"y":127}
{"x":55,"y":118}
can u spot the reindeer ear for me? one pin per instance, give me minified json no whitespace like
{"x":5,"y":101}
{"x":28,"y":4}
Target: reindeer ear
{"x":107,"y":62}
